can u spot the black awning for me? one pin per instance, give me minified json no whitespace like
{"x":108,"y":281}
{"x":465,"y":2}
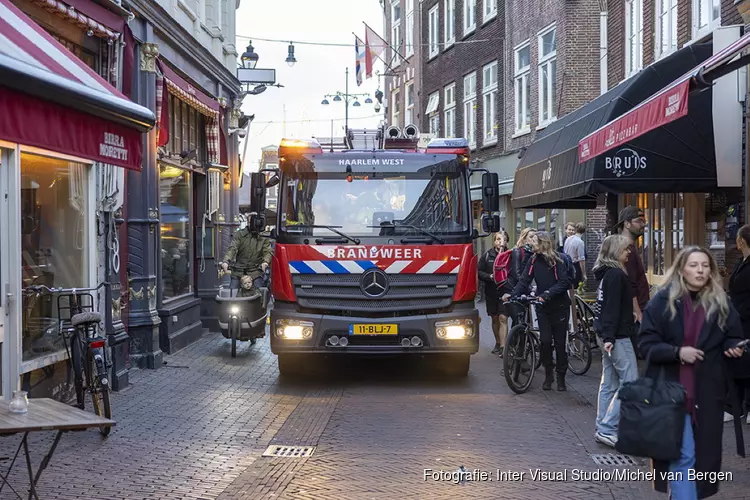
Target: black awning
{"x":678,"y":157}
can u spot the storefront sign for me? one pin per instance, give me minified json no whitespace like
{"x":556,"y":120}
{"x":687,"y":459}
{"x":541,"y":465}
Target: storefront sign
{"x":625,"y":162}
{"x":113,"y":146}
{"x":663,"y":108}
{"x":44,"y":124}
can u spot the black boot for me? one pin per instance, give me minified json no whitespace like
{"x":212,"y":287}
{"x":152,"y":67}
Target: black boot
{"x":561,"y":382}
{"x":548,"y":379}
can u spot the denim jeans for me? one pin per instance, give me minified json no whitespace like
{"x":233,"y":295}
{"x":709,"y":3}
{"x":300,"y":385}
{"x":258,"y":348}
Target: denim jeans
{"x":619,"y":367}
{"x":682,"y":488}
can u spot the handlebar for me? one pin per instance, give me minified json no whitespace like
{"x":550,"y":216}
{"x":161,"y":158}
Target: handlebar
{"x":525,"y":299}
{"x":44,"y":289}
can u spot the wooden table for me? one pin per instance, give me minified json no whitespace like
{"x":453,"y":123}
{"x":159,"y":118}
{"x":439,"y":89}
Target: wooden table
{"x":43,"y":415}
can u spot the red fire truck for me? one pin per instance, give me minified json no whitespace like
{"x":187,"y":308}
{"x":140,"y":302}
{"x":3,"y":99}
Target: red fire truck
{"x":374,"y":251}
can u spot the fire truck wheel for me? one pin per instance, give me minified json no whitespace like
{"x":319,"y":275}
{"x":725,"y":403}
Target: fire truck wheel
{"x":456,"y":365}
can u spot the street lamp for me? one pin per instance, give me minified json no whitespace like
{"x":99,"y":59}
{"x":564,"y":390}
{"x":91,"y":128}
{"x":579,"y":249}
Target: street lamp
{"x":347,"y":98}
{"x":249,"y":58}
{"x":290,"y":59}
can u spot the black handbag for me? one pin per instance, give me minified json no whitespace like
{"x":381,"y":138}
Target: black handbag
{"x":652,"y":418}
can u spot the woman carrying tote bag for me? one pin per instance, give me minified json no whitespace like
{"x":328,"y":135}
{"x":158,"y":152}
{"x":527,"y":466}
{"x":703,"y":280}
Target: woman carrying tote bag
{"x":689,"y":329}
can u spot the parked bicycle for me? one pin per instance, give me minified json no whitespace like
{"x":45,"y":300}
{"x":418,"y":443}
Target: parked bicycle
{"x":79,"y":324}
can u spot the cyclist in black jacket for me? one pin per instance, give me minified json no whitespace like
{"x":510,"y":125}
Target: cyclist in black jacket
{"x":549,"y":269}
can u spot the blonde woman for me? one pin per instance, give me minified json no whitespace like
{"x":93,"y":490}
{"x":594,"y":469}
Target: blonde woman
{"x":614,"y":326}
{"x":689,"y":328}
{"x":520,"y":257}
{"x":495,"y":307}
{"x":552,"y":275}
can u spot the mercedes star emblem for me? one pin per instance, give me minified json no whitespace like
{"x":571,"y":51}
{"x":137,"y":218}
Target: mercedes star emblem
{"x":374,"y":283}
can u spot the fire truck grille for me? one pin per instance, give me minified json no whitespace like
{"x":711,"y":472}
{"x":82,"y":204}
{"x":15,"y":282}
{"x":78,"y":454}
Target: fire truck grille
{"x":406,"y":292}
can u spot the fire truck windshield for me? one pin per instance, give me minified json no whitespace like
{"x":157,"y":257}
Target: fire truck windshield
{"x":395,"y":203}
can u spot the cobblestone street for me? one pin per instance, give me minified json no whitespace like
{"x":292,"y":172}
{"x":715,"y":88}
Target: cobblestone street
{"x":197,"y":428}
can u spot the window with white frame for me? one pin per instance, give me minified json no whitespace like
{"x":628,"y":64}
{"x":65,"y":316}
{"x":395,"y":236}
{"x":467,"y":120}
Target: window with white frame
{"x":409,"y":116}
{"x":396,"y":30}
{"x":547,"y":75}
{"x":409,"y":30}
{"x":450,"y":22}
{"x":706,"y":17}
{"x":470,"y":16}
{"x":522,"y":87}
{"x":433,"y":28}
{"x":666,"y":27}
{"x":489,"y":103}
{"x":633,"y":36}
{"x":395,"y":107}
{"x":435,"y":125}
{"x":490,"y":10}
{"x":433,"y":114}
{"x":450,"y":110}
{"x":470,"y":109}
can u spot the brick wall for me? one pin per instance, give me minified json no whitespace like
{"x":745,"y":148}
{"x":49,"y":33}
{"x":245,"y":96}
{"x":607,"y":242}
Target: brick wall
{"x":616,"y":43}
{"x":405,"y":71}
{"x":524,"y":19}
{"x":460,"y":59}
{"x":579,"y":80}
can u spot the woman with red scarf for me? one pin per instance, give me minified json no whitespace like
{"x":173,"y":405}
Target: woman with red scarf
{"x":689,"y":328}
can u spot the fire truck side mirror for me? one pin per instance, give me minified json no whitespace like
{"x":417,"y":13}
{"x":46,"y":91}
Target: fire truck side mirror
{"x":490,"y":223}
{"x":490,"y":195}
{"x":257,"y":192}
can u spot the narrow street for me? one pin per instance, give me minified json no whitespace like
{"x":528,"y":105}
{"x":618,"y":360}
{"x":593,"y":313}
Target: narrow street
{"x":197,"y":428}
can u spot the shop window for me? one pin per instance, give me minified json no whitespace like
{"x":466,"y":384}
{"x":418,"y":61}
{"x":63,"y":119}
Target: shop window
{"x":175,"y":190}
{"x":187,"y":130}
{"x":55,"y":248}
{"x":664,"y":234}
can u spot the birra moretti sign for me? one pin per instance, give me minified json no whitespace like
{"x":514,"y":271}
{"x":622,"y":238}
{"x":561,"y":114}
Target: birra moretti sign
{"x":113,"y":146}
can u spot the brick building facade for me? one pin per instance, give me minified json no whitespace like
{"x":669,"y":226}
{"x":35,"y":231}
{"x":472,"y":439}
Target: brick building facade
{"x":401,"y":30}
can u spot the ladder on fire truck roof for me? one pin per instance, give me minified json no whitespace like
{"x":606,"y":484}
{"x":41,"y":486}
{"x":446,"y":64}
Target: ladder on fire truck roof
{"x":362,"y":138}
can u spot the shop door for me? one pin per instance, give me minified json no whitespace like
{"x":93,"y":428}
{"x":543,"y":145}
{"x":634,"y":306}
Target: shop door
{"x":10,"y":271}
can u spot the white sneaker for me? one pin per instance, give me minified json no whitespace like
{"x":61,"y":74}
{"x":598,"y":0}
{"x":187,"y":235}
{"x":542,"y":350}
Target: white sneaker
{"x":728,"y":417}
{"x":605,"y":439}
{"x":748,"y":418}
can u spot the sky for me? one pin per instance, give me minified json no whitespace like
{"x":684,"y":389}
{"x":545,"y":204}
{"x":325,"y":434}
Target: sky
{"x":295,"y":111}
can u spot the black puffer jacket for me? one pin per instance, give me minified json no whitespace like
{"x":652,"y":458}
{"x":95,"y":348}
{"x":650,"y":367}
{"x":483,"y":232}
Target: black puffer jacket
{"x":552,"y":282}
{"x":520,"y":257}
{"x":615,"y":304}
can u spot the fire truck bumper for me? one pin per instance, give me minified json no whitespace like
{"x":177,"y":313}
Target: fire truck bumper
{"x":453,"y":332}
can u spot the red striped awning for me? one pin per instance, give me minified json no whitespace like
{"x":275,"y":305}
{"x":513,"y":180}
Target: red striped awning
{"x":50,"y":99}
{"x":663,"y":107}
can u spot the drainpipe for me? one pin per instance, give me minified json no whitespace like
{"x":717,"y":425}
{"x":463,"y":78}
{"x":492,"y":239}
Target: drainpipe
{"x":603,"y":69}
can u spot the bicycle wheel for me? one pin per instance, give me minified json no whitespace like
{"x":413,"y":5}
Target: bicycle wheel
{"x":586,"y":322}
{"x":100,"y":395}
{"x":579,"y":354}
{"x":76,"y":363}
{"x":519,"y":359}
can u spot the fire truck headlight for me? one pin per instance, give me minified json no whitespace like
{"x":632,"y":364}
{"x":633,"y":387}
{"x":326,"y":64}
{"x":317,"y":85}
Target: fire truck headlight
{"x":294,"y":330}
{"x":455,"y":329}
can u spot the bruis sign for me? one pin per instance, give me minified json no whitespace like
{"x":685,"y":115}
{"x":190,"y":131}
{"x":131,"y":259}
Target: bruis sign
{"x":625,"y":162}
